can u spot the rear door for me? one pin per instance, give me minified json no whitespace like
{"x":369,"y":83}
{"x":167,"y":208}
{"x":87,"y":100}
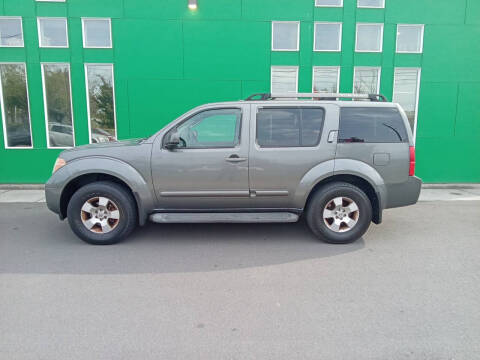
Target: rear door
{"x":287,"y":140}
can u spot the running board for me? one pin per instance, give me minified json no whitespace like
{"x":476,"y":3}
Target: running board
{"x":259,"y":217}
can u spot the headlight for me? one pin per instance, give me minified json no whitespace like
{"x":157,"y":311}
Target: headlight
{"x":58,"y":164}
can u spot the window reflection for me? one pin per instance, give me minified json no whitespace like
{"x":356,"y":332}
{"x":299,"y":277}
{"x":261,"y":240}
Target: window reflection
{"x":11,"y":34}
{"x":56,"y":82}
{"x":101,"y":103}
{"x":405,"y":90}
{"x":15,"y":106}
{"x":366,"y":80}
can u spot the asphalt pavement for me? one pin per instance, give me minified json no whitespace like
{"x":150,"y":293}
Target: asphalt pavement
{"x":410,"y":289}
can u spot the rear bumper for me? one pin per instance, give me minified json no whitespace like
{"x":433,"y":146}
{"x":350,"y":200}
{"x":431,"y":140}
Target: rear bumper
{"x":404,"y":194}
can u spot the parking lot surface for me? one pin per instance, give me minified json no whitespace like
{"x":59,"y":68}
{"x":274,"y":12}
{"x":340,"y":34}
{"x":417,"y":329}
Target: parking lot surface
{"x":410,"y":289}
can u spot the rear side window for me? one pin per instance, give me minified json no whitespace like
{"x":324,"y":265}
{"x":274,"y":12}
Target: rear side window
{"x":371,"y":125}
{"x":289,"y":126}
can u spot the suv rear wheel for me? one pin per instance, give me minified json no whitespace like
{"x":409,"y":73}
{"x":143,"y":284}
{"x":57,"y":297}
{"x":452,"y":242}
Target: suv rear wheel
{"x":339,"y":213}
{"x":102,"y":213}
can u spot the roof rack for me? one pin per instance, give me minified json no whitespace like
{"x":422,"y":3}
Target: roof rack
{"x":316,"y":96}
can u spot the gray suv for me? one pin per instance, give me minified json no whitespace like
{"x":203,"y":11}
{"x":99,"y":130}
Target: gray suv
{"x":271,"y":158}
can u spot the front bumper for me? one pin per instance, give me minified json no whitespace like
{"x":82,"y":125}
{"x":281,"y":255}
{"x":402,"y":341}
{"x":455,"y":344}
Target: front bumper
{"x":52,"y":197}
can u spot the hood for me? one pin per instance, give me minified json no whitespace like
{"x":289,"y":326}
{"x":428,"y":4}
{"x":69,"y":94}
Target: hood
{"x":99,"y":149}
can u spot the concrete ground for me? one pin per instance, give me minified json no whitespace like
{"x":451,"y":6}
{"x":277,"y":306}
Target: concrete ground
{"x":410,"y":289}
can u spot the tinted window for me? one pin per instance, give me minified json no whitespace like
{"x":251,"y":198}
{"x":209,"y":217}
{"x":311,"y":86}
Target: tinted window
{"x":289,"y":127}
{"x":371,"y":125}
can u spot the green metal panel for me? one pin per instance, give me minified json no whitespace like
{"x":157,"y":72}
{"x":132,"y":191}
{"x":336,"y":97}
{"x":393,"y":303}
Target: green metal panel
{"x":168,"y":59}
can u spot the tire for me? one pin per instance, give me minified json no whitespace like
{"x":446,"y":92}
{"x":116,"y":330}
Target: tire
{"x":112,"y":222}
{"x":325,"y":203}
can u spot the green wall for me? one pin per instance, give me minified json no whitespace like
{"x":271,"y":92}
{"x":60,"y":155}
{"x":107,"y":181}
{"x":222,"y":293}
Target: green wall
{"x":169,"y":59}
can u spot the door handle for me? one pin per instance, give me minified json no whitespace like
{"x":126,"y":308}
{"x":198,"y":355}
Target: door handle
{"x":235,"y":158}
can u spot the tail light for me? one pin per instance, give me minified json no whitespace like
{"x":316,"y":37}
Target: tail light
{"x":411,"y":171}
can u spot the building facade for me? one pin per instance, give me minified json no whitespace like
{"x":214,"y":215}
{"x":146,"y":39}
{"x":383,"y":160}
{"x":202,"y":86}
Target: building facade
{"x":75,"y":72}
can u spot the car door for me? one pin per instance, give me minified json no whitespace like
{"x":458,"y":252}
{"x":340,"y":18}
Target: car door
{"x":287,"y":141}
{"x":209,"y":170}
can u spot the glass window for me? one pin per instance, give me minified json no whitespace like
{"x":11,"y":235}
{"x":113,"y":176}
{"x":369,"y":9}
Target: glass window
{"x":11,"y":32}
{"x":219,"y":128}
{"x":15,"y":106}
{"x":284,"y":79}
{"x":371,"y":125}
{"x":97,"y":33}
{"x":369,"y":38}
{"x":326,"y":79}
{"x":329,"y":3}
{"x":52,"y":32}
{"x":328,"y":37}
{"x":58,"y":105}
{"x":101,"y":102}
{"x":289,"y":126}
{"x":410,"y":38}
{"x":405,"y":92}
{"x":285,"y":35}
{"x":366,"y":80}
{"x":371,"y":3}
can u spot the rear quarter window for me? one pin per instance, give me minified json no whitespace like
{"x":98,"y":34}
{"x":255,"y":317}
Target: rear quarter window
{"x":371,"y":125}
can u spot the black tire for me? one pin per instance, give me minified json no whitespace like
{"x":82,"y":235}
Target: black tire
{"x":123,"y":200}
{"x":323,"y":196}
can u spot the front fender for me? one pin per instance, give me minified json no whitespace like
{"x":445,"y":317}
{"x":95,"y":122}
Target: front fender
{"x":100,"y":165}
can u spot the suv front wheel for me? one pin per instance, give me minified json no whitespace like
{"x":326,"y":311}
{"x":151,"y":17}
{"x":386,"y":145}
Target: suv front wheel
{"x":339,"y":213}
{"x":102,"y":213}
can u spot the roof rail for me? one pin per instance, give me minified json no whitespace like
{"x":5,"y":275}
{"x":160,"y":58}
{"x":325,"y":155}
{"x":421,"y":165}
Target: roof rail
{"x":316,"y":96}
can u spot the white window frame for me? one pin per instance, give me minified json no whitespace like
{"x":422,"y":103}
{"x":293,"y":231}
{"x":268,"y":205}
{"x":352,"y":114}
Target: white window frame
{"x":298,"y":35}
{"x":330,"y":6}
{"x":421,"y":39}
{"x":328,"y":67}
{"x":40,"y":32}
{"x":417,"y":99}
{"x":371,"y":7}
{"x":45,"y":103}
{"x":2,"y":107}
{"x":379,"y":68}
{"x":84,"y":37}
{"x":282,"y":66}
{"x":51,"y":0}
{"x":339,"y":35}
{"x":88,"y":99}
{"x":21,"y":28}
{"x":381,"y":38}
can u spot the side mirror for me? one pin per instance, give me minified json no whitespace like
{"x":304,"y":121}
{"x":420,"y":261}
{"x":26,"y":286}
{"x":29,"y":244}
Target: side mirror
{"x":173,"y":142}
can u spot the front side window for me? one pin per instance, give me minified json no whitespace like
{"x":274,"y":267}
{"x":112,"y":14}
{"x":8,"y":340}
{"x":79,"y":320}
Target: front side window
{"x":219,"y":128}
{"x":101,"y":102}
{"x":97,"y":33}
{"x":58,"y":105}
{"x":371,"y":125}
{"x":329,"y":3}
{"x":328,"y":37}
{"x":366,"y":80}
{"x":289,"y":126}
{"x":11,"y":32}
{"x":284,"y":79}
{"x":326,"y":79}
{"x":52,"y":32}
{"x":285,"y":35}
{"x":15,"y":106}
{"x":405,"y":92}
{"x":371,"y":3}
{"x":409,"y":39}
{"x":369,"y":38}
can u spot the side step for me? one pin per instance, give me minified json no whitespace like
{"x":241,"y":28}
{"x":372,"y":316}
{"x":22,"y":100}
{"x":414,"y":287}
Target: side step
{"x":260,"y":217}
